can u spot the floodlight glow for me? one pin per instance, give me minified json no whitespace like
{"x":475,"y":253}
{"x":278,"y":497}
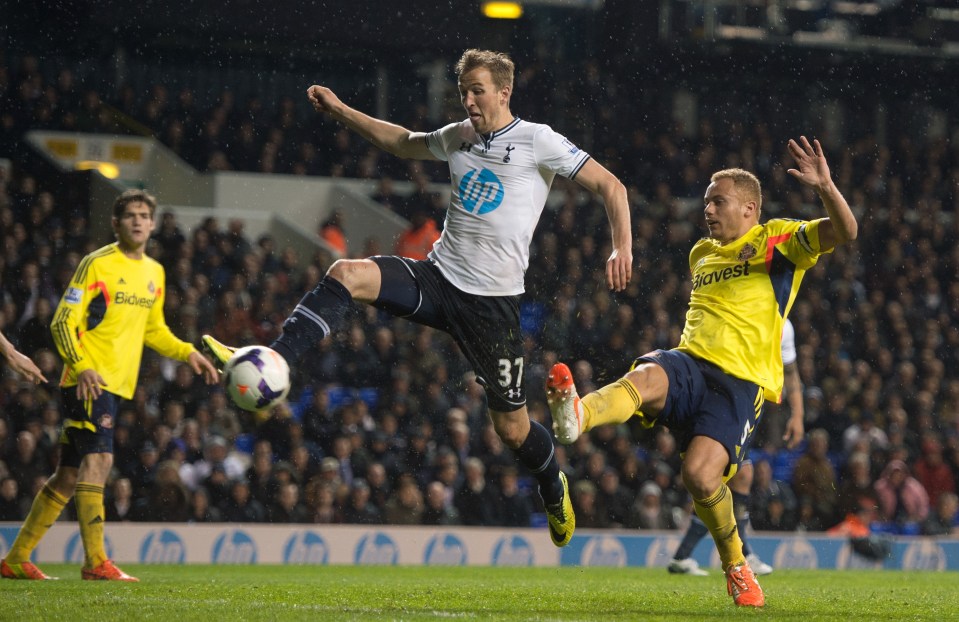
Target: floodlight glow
{"x":502,"y":10}
{"x":107,"y":169}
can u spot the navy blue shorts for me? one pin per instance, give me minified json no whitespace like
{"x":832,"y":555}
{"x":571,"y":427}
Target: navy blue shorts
{"x":87,"y":426}
{"x":486,"y":328}
{"x":703,"y":400}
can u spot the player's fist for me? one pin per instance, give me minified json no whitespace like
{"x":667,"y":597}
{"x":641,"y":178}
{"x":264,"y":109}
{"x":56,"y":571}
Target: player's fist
{"x":323,"y":99}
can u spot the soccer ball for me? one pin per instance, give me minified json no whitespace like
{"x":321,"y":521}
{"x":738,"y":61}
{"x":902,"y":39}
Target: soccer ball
{"x":257,"y":378}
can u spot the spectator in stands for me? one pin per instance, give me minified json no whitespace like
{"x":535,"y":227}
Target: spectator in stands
{"x":814,"y":480}
{"x":944,"y":520}
{"x":119,"y":505}
{"x":13,"y":506}
{"x":439,"y":507}
{"x":240,"y":506}
{"x":588,"y":513}
{"x":416,"y":241}
{"x":772,"y":502}
{"x":515,"y":505}
{"x":931,"y":470}
{"x":331,"y":231}
{"x":358,"y":509}
{"x":201,"y":508}
{"x":857,"y":482}
{"x":648,"y":511}
{"x":613,"y":498}
{"x":903,"y":502}
{"x":475,"y":500}
{"x":167,"y":500}
{"x":287,"y":507}
{"x":405,"y":506}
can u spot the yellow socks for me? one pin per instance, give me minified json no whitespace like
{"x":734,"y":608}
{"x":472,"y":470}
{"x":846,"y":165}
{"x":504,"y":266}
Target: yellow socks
{"x":614,"y":403}
{"x":89,"y":500}
{"x":45,"y":510}
{"x":716,"y":511}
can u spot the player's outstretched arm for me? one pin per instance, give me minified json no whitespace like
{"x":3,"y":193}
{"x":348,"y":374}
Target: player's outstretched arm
{"x":20,"y":362}
{"x":387,"y":136}
{"x":597,"y":179}
{"x":792,"y":388}
{"x":812,"y":170}
{"x":201,"y":366}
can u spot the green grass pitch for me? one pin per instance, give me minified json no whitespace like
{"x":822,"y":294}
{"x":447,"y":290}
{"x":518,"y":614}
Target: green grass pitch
{"x":241,"y":593}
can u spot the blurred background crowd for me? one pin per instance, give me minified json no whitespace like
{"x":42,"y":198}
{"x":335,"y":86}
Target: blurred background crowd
{"x":386,"y":424}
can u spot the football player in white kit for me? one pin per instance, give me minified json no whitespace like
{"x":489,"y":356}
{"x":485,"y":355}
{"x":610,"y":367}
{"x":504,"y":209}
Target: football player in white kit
{"x":501,"y":168}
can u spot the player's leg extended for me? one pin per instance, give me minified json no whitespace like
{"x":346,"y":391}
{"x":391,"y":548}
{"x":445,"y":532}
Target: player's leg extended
{"x":533,"y":445}
{"x":740,"y":485}
{"x":703,"y":466}
{"x":682,"y":562}
{"x":92,"y":475}
{"x":47,"y":507}
{"x":319,"y":312}
{"x":615,"y":403}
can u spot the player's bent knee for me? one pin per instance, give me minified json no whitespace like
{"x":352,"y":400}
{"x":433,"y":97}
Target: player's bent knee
{"x":511,"y":430}
{"x":701,"y":482}
{"x":361,"y":277}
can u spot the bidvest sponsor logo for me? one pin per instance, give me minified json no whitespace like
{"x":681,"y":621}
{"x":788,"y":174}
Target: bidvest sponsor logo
{"x":234,"y":547}
{"x":603,"y":551}
{"x":123,"y":298}
{"x":445,"y":550}
{"x":73,"y":552}
{"x":513,"y":551}
{"x":306,"y":547}
{"x":376,"y":548}
{"x":162,"y":546}
{"x":716,"y":276}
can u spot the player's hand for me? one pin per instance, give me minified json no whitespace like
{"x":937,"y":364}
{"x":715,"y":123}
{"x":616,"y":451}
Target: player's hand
{"x":90,"y":385}
{"x":323,"y":99}
{"x":795,"y":430}
{"x":201,"y":366}
{"x":811,"y":168}
{"x":22,"y":364}
{"x":619,"y":269}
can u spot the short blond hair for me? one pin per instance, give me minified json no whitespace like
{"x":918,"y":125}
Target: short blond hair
{"x":745,"y":182}
{"x":500,"y":65}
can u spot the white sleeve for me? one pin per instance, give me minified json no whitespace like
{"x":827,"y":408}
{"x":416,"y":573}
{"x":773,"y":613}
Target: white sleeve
{"x":438,"y":140}
{"x":789,"y":343}
{"x":554,"y":152}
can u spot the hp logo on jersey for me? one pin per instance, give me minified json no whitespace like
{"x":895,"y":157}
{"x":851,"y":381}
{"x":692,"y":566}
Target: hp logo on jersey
{"x":481,"y":191}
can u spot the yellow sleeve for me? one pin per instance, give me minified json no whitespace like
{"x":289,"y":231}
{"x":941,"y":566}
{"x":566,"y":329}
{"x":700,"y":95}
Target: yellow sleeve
{"x":803,"y":248}
{"x":69,"y":314}
{"x":158,"y":335}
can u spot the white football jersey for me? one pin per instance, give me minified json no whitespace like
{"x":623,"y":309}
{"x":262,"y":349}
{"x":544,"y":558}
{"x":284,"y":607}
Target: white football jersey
{"x":789,"y":343}
{"x":499,"y":185}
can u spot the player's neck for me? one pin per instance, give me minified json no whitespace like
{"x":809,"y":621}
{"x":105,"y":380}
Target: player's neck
{"x":132,"y":252}
{"x":501,"y":122}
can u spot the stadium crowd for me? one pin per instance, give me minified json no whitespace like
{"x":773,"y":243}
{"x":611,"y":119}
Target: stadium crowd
{"x":386,"y":424}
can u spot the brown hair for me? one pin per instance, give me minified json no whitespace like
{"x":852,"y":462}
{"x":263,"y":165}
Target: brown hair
{"x":500,"y":65}
{"x":134,"y":196}
{"x":745,"y":183}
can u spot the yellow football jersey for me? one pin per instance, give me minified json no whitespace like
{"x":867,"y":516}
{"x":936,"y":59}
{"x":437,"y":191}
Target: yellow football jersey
{"x":111,"y":309}
{"x":742,"y":292}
